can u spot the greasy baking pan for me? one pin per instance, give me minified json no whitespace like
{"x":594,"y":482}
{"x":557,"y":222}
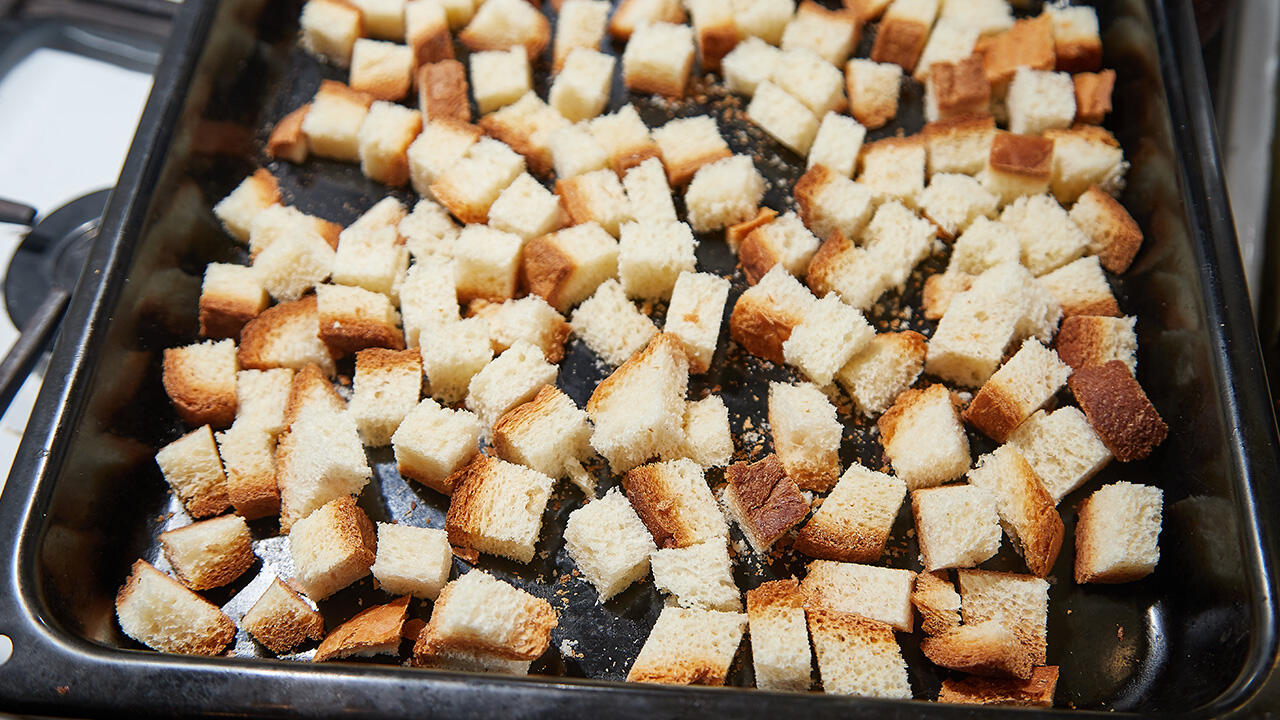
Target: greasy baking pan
{"x":85,"y":499}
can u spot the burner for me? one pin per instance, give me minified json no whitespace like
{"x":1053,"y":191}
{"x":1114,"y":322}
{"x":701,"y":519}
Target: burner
{"x":57,"y":246}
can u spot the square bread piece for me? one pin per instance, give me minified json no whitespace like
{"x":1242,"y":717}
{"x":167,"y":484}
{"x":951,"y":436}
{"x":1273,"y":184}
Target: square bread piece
{"x":1086,"y":340}
{"x":763,"y":501}
{"x":496,"y":507}
{"x":442,"y":91}
{"x":608,"y":543}
{"x":698,"y":576}
{"x":1076,"y":43}
{"x":596,"y":196}
{"x":1020,"y":387}
{"x":717,"y":32}
{"x":575,"y":150}
{"x":830,"y":202}
{"x":499,"y":78}
{"x":988,"y":16}
{"x":936,"y":599}
{"x":762,"y":19}
{"x":1081,"y":288}
{"x":976,"y":690}
{"x":674,"y":502}
{"x":383,"y":19}
{"x":811,"y":80}
{"x":1118,"y":409}
{"x":1093,"y":95}
{"x":1029,"y":43}
{"x":687,"y":144}
{"x":527,"y":125}
{"x":627,"y":138}
{"x":832,"y":34}
{"x":896,"y":241}
{"x":527,"y":209}
{"x":507,"y":23}
{"x":923,"y":437}
{"x":631,"y":14}
{"x":953,"y":202}
{"x":1025,"y":507}
{"x":468,"y":186}
{"x":893,"y":168}
{"x":873,"y":91}
{"x":549,"y":434}
{"x":876,"y":593}
{"x":956,"y":89}
{"x":658,"y":59}
{"x":567,"y":266}
{"x":248,"y":457}
{"x":452,"y":354}
{"x":837,"y":144}
{"x":750,"y":63}
{"x":412,"y":560}
{"x":281,"y":619}
{"x":806,"y":434}
{"x":1085,"y":156}
{"x":580,"y":90}
{"x":737,"y":232}
{"x":960,"y":144}
{"x":695,"y":314}
{"x":765,"y":315}
{"x":725,"y":192}
{"x":529,"y":319}
{"x":426,"y":30}
{"x":785,"y":241}
{"x":332,"y":125}
{"x":209,"y":553}
{"x":284,"y":335}
{"x":651,"y":256}
{"x":783,"y":117}
{"x":989,"y":648}
{"x":857,"y":656}
{"x":384,"y":70}
{"x":1117,"y":534}
{"x":478,"y":612}
{"x":293,"y":265}
{"x":1061,"y":447}
{"x":433,"y":442}
{"x":318,"y":460}
{"x":386,"y":388}
{"x":904,"y":32}
{"x":254,"y":194}
{"x":374,"y":631}
{"x":957,"y":525}
{"x":853,"y":523}
{"x":510,"y":379}
{"x":830,"y":334}
{"x":689,"y":647}
{"x":1017,"y":165}
{"x":1113,"y":235}
{"x":951,"y":40}
{"x":230,"y":296}
{"x":1048,"y":237}
{"x":486,"y":263}
{"x":352,"y":319}
{"x":165,"y":615}
{"x":331,"y":548}
{"x":1040,"y":101}
{"x":886,"y":366}
{"x":428,"y":298}
{"x":1019,"y":601}
{"x":707,"y":440}
{"x":193,"y":470}
{"x":200,"y":380}
{"x":611,"y":325}
{"x":779,"y":637}
{"x":648,"y":193}
{"x":329,"y":29}
{"x":438,"y":147}
{"x":580,"y":24}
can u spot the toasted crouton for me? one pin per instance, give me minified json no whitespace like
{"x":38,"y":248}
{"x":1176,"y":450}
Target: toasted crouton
{"x":255,"y":193}
{"x":987,"y":648}
{"x":923,"y":438}
{"x":736,"y":233}
{"x":1020,"y":602}
{"x":904,"y":31}
{"x":310,"y":389}
{"x":951,"y":41}
{"x":837,"y":144}
{"x":566,"y":267}
{"x":442,"y":93}
{"x":896,"y":241}
{"x":318,"y":460}
{"x":1039,"y":101}
{"x":828,"y":336}
{"x":248,"y":457}
{"x":717,"y":33}
{"x":507,"y":23}
{"x":499,"y":78}
{"x":383,"y":70}
{"x":580,"y":90}
{"x":438,"y":147}
{"x":426,"y":30}
{"x":332,"y":125}
{"x":609,"y":544}
{"x":527,"y":209}
{"x":785,"y":241}
{"x":765,"y":315}
{"x":935,"y":597}
{"x":1077,"y":46}
{"x":387,"y":385}
{"x":830,"y":202}
{"x":881,"y":370}
{"x":374,"y":631}
{"x":482,"y":613}
{"x":648,"y":194}
{"x":1117,"y":534}
{"x":1085,"y":340}
{"x":164,"y":615}
{"x":1048,"y":237}
{"x":1025,"y":507}
{"x":857,"y":655}
{"x":854,"y":521}
{"x":873,"y":91}
{"x":877,"y":593}
{"x":750,"y":63}
{"x":469,"y":186}
{"x":512,"y":378}
{"x":957,"y":525}
{"x":1081,"y":288}
{"x":1093,"y":95}
{"x":783,"y":117}
{"x":1118,"y":409}
{"x":689,"y":647}
{"x":1062,"y":449}
{"x":230,"y":296}
{"x":959,"y":145}
{"x":957,"y":88}
{"x":893,"y":168}
{"x":548,"y":433}
{"x":200,"y":380}
{"x":806,"y":434}
{"x":832,"y":34}
{"x":527,"y":125}
{"x":596,"y":196}
{"x":674,"y":502}
{"x":631,"y":14}
{"x":329,"y":29}
{"x":723,"y":193}
{"x":281,"y":619}
{"x":1018,"y":165}
{"x":1113,"y":235}
{"x":687,"y":144}
{"x":352,"y":319}
{"x":332,"y":547}
{"x":658,"y":59}
{"x":486,"y":264}
{"x":1029,"y":43}
{"x":209,"y":553}
{"x":779,"y":636}
{"x":1020,"y":387}
{"x":695,"y":314}
{"x":433,"y":442}
{"x":764,"y":501}
{"x":626,"y":137}
{"x":697,"y":576}
{"x":193,"y":470}
{"x":1037,"y":691}
{"x":412,"y":560}
{"x":496,"y":507}
{"x":580,"y":24}
{"x":1085,"y":156}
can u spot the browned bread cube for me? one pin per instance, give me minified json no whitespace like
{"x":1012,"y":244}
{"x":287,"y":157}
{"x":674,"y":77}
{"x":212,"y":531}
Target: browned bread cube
{"x":230,"y":296}
{"x":201,"y":381}
{"x":988,"y":648}
{"x":193,"y":470}
{"x":1093,"y":95}
{"x":375,"y":631}
{"x":427,"y":32}
{"x":165,"y":615}
{"x":209,"y":553}
{"x":902,"y":35}
{"x":937,"y":601}
{"x":735,"y":234}
{"x":1025,"y":507}
{"x":764,"y":316}
{"x":478,"y":612}
{"x":1018,"y":165}
{"x":285,"y":335}
{"x":764,"y":501}
{"x":672,"y":500}
{"x":854,"y":520}
{"x":287,"y":141}
{"x":1028,"y":43}
{"x":332,"y":547}
{"x":1113,"y":235}
{"x":1118,"y":409}
{"x":1086,"y":340}
{"x":1037,"y":691}
{"x":957,"y":88}
{"x":282,"y":620}
{"x":496,"y":507}
{"x":442,"y":91}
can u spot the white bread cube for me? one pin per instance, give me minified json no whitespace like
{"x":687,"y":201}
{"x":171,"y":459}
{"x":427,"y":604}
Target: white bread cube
{"x":1039,"y":101}
{"x":763,"y":500}
{"x":382,"y":18}
{"x":1085,"y":340}
{"x":438,"y":147}
{"x":285,"y":335}
{"x":320,"y":459}
{"x":707,"y":439}
{"x":352,"y":319}
{"x":1113,"y":235}
{"x":329,"y":30}
{"x":209,"y":553}
{"x":230,"y":296}
{"x":785,"y":241}
{"x":611,"y":325}
{"x":426,"y":31}
{"x":658,"y":59}
{"x":200,"y":380}
{"x":526,"y":208}
{"x":689,"y":646}
{"x":383,"y":70}
{"x":527,"y":126}
{"x":631,"y":14}
{"x":953,"y":202}
{"x":1062,"y":448}
{"x":886,"y":366}
{"x":990,"y":648}
{"x":903,"y":32}
{"x":952,"y":39}
{"x":1076,"y":43}
{"x":470,"y":185}
{"x":1021,"y":602}
{"x":432,"y":442}
{"x":717,"y":31}
{"x":480,"y":613}
{"x":831,"y":34}
{"x":648,"y":193}
{"x":857,"y":656}
{"x":750,"y":63}
{"x":983,"y":245}
{"x":1020,"y":387}
{"x":499,"y":78}
{"x":695,"y":314}
{"x":1081,"y":288}
{"x":854,"y":521}
{"x":386,"y":388}
{"x":1085,"y":156}
{"x":248,"y":457}
{"x":783,"y":117}
{"x":282,"y":619}
{"x":427,"y":298}
{"x":873,"y":89}
{"x":837,"y":144}
{"x":375,"y":259}
{"x":509,"y":380}
{"x":762,"y":19}
{"x":893,"y":168}
{"x":764,"y":316}
{"x":261,"y":396}
{"x":830,"y":202}
{"x":332,"y":125}
{"x":1026,"y":510}
{"x":529,"y":319}
{"x":806,"y":434}
{"x":638,"y":411}
{"x":580,"y":24}
{"x":810,"y":79}
{"x":687,"y":144}
{"x":876,"y":593}
{"x":779,"y":636}
{"x":608,"y":543}
{"x":725,"y":192}
{"x":957,"y":525}
{"x":193,"y":470}
{"x":830,"y":334}
{"x":311,"y":390}
{"x":924,"y":439}
{"x":1117,"y":534}
{"x":331,"y":548}
{"x":896,"y":241}
{"x":567,"y":266}
{"x":580,"y":90}
{"x":1048,"y":237}
{"x":504,"y":24}
{"x":292,"y":265}
{"x":626,"y":136}
{"x":496,"y":508}
{"x":652,"y":255}
{"x":164,"y":615}
{"x":280,"y":221}
{"x":596,"y":196}
{"x":548,"y":433}
{"x":412,"y":560}
{"x":575,"y":150}
{"x":486,"y":263}
{"x":960,"y":144}
{"x":255,"y":193}
{"x":698,"y":576}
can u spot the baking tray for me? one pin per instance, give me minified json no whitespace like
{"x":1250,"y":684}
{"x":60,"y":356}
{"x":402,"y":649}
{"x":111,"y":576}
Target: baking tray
{"x":84,"y":498}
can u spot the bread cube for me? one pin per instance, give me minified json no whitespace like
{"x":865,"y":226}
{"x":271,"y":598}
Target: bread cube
{"x":806,"y":434}
{"x":989,"y":648}
{"x":988,"y":16}
{"x":689,"y":646}
{"x":255,"y":193}
{"x":960,"y":144}
{"x":480,"y":613}
{"x":470,"y":185}
{"x":310,"y":389}
{"x":893,"y":169}
{"x":953,"y":202}
{"x":658,"y":59}
{"x":779,"y":636}
{"x":952,"y":39}
{"x":282,"y":222}
{"x":230,"y":296}
{"x":896,"y":241}
{"x":428,"y":232}
{"x":886,"y":366}
{"x":1086,"y":156}
{"x":496,"y":507}
{"x":626,"y":136}
{"x":1113,"y":235}
{"x":292,"y":265}
{"x":694,"y":315}
{"x":762,"y":19}
{"x":765,"y":315}
{"x":785,"y":241}
{"x":876,"y":593}
{"x":828,"y":336}
{"x":831,"y":203}
{"x":580,"y":24}
{"x":936,"y":598}
{"x":1040,"y":101}
{"x":352,"y":319}
{"x":854,"y":521}
{"x":631,"y":14}
{"x":764,"y":501}
{"x":438,"y":147}
{"x":567,"y":266}
{"x":1086,"y":340}
{"x":717,"y":33}
{"x":1020,"y":602}
{"x":200,"y":380}
{"x":957,"y":525}
{"x":505,"y":24}
{"x":285,"y":335}
{"x":548,"y":433}
{"x":374,"y":631}
{"x":811,"y":80}
{"x":527,"y":125}
{"x":596,"y":196}
{"x":580,"y":90}
{"x":370,"y":253}
{"x":976,"y":690}
{"x":318,"y":460}
{"x":904,"y":31}
{"x":486,"y":263}
{"x":412,"y":560}
{"x":652,"y":255}
{"x":332,"y":548}
{"x":924,"y":439}
{"x":648,"y":193}
{"x":329,"y":29}
{"x":428,"y":299}
{"x":387,"y":385}
{"x":432,"y":442}
{"x":575,"y":150}
{"x":282,"y":620}
{"x":687,"y":144}
{"x":529,"y":319}
{"x":707,"y":440}
{"x":837,"y":144}
{"x":736,"y":233}
{"x":1077,"y":46}
{"x":1029,"y":43}
{"x":832,"y":34}
{"x":458,"y":12}
{"x":1020,"y":387}
{"x":1093,"y":95}
{"x":383,"y":70}
{"x":261,"y":396}
{"x":1048,"y":237}
{"x":873,"y":91}
{"x":1081,"y":288}
{"x":442,"y":91}
{"x":383,"y":19}
{"x":209,"y":553}
{"x":332,"y":125}
{"x":697,"y":576}
{"x":1118,"y":409}
{"x":956,"y":89}
{"x":723,"y":193}
{"x":638,"y":411}
{"x":783,"y":117}
{"x":1026,"y":509}
{"x":526,"y":208}
{"x":1062,"y":449}
{"x":750,"y":63}
{"x":287,"y":141}
{"x":248,"y":458}
{"x":512,"y":378}
{"x":611,"y":325}
{"x":608,"y":543}
{"x":1017,"y":166}
{"x":857,"y":656}
{"x":499,"y":78}
{"x":1117,"y":534}
{"x":164,"y":615}
{"x":426,"y":30}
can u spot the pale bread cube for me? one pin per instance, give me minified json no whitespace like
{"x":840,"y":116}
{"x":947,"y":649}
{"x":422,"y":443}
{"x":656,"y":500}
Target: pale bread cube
{"x":626,"y":136}
{"x":886,"y":366}
{"x":1062,"y":448}
{"x":331,"y":548}
{"x":383,"y":70}
{"x":427,"y":299}
{"x":503,"y":24}
{"x":510,"y":379}
{"x":764,"y":316}
{"x":470,"y":185}
{"x":527,"y":125}
{"x":230,"y":296}
{"x":658,"y":59}
{"x":652,"y":255}
{"x":255,"y":193}
{"x":596,"y":196}
{"x":193,"y":470}
{"x":697,"y":576}
{"x":433,"y":441}
{"x":923,"y":438}
{"x":957,"y":525}
{"x":1039,"y":101}
{"x":779,"y":636}
{"x":165,"y":615}
{"x":1026,"y":509}
{"x":548,"y":433}
{"x":329,"y":30}
{"x":333,"y":122}
{"x":893,"y":169}
{"x":1081,"y":288}
{"x":209,"y":553}
{"x":676,"y":505}
{"x":319,"y":460}
{"x":280,"y":221}
{"x":486,"y":263}
{"x":383,"y":19}
{"x":631,"y":14}
{"x":575,"y":150}
{"x":1117,"y":534}
{"x":875,"y":593}
{"x":1048,"y":237}
{"x":580,"y":24}
{"x":412,"y":560}
{"x":952,"y":39}
{"x":386,"y":388}
{"x":896,"y":241}
{"x":1017,"y":166}
{"x":707,"y":439}
{"x":580,"y":90}
{"x":987,"y":16}
{"x":261,"y":396}
{"x":608,"y":543}
{"x":480,"y":614}
{"x":1020,"y":387}
{"x":567,"y":266}
{"x":452,"y":354}
{"x":529,"y":319}
{"x":687,"y":144}
{"x":611,"y":325}
{"x":855,"y":519}
{"x":806,"y":434}
{"x":831,"y":34}
{"x":526,"y":208}
{"x":953,"y":202}
{"x":828,"y":336}
{"x":638,"y":411}
{"x":695,"y":314}
{"x":648,"y":193}
{"x":426,"y":31}
{"x":499,"y":78}
{"x":857,"y":656}
{"x":282,"y":619}
{"x":750,"y":63}
{"x":837,"y":144}
{"x":374,"y":260}
{"x":496,"y":508}
{"x":352,"y":319}
{"x":762,"y":19}
{"x":1018,"y":601}
{"x":717,"y":33}
{"x":785,"y":241}
{"x":290,"y":266}
{"x":810,"y":79}
{"x":285,"y":335}
{"x":438,"y":147}
{"x":959,"y":144}
{"x":783,"y":117}
{"x":689,"y":646}
{"x":830,"y":202}
{"x":200,"y":380}
{"x":248,"y":458}
{"x":725,"y":192}
{"x":1086,"y":156}
{"x":873,"y":89}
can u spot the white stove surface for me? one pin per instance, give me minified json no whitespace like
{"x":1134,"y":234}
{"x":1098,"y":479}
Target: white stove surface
{"x":67,"y":128}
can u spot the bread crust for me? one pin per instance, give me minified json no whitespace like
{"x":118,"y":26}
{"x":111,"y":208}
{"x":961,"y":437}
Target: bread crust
{"x":714,"y":43}
{"x":756,"y":256}
{"x":287,"y":141}
{"x":194,"y":400}
{"x":518,"y":418}
{"x":352,"y":334}
{"x":1080,"y":341}
{"x":575,"y":197}
{"x":935,"y":597}
{"x":658,"y":510}
{"x":987,"y":648}
{"x":259,"y":335}
{"x":1024,"y":156}
{"x":621,"y":24}
{"x":229,"y":567}
{"x":1093,"y":95}
{"x":281,"y":633}
{"x":377,"y":628}
{"x":310,"y":385}
{"x":224,"y":317}
{"x":961,"y":87}
{"x":765,"y":500}
{"x":679,"y":174}
{"x":209,"y":643}
{"x":454,"y":201}
{"x":255,"y":496}
{"x":761,"y":329}
{"x":1037,"y":691}
{"x":1118,"y":409}
{"x":1081,"y":54}
{"x":530,"y":640}
{"x":545,"y":270}
{"x":994,"y":412}
{"x":519,"y":136}
{"x":831,"y":542}
{"x":735,"y":234}
{"x":432,"y":46}
{"x":781,"y":594}
{"x":899,"y":41}
{"x":442,"y":91}
{"x":1029,"y":42}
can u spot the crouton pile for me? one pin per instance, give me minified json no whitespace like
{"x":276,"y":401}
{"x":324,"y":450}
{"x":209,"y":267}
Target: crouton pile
{"x":562,"y":218}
